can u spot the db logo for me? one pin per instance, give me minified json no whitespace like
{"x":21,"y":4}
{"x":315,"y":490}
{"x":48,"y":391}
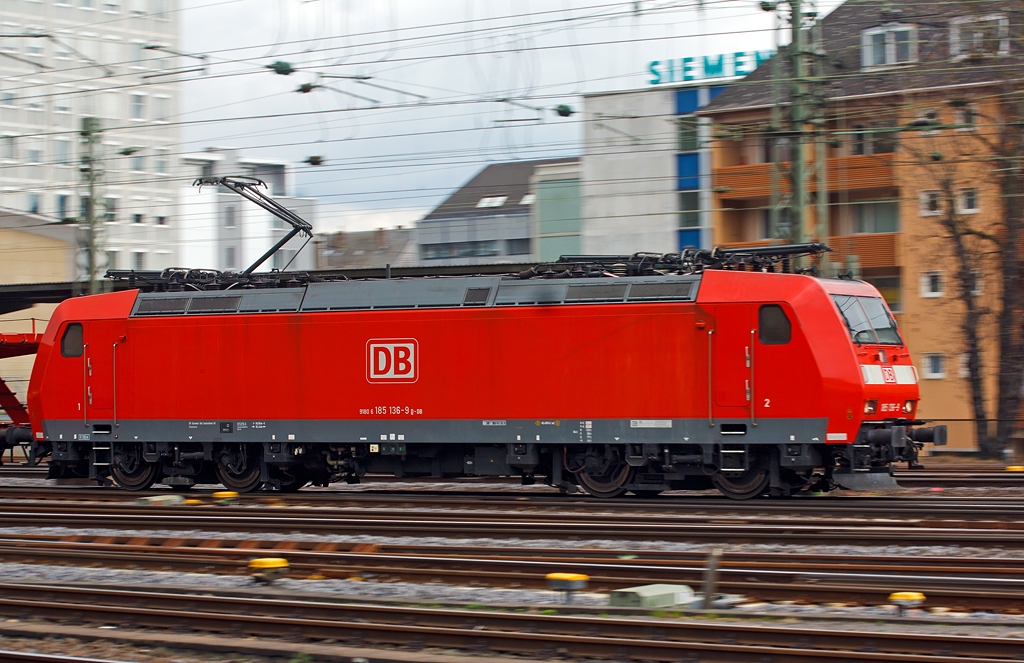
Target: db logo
{"x":888,"y":375}
{"x":392,"y":360}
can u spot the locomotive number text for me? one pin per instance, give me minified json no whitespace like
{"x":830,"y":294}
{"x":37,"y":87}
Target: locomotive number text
{"x":378,"y":410}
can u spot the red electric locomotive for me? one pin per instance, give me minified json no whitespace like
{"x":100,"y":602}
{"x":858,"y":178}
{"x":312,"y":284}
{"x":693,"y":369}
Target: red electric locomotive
{"x":614,"y":374}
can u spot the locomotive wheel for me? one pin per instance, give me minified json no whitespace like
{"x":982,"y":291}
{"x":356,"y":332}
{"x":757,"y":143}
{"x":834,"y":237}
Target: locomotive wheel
{"x":239,"y":468}
{"x":130,"y":470}
{"x":612,"y":484}
{"x":751,"y":483}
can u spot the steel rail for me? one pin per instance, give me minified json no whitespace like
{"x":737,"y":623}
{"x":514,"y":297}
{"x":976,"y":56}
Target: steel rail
{"x":699,"y":507}
{"x":7,"y":656}
{"x":391,"y":522}
{"x":575,"y":635}
{"x":836,"y":578}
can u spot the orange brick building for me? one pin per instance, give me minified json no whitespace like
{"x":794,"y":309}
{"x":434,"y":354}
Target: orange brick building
{"x":909,"y":104}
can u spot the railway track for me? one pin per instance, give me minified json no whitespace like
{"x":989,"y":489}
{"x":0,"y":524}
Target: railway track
{"x":520,"y":522}
{"x":477,"y":631}
{"x":882,"y":507}
{"x":950,"y":582}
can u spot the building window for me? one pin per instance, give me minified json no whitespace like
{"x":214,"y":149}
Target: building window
{"x":776,"y":150}
{"x":112,"y":259}
{"x":518,"y":247}
{"x":62,"y":152}
{"x":138,"y":163}
{"x":160,"y":108}
{"x":160,"y":162}
{"x":111,"y":6}
{"x":689,"y":206}
{"x":966,"y":117}
{"x":870,"y":140}
{"x":139,"y":260}
{"x":979,"y":35}
{"x":932,"y":284}
{"x":968,"y":201}
{"x":161,"y":220}
{"x":977,"y":282}
{"x":137,"y":106}
{"x":491,"y":201}
{"x":34,"y":155}
{"x":889,"y":288}
{"x":8,"y":147}
{"x":137,"y":217}
{"x":876,"y":218}
{"x":931,"y":203}
{"x":9,"y":99}
{"x":688,"y":141}
{"x":34,"y":203}
{"x":87,"y":4}
{"x":934,"y":366}
{"x":229,"y":257}
{"x":137,"y":6}
{"x":35,"y":46}
{"x":110,"y":209}
{"x":229,"y":216}
{"x":485,"y":248}
{"x":63,"y":205}
{"x":889,"y":45}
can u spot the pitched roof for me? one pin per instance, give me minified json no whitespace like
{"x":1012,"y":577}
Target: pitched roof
{"x":510,"y":181}
{"x":841,"y":36}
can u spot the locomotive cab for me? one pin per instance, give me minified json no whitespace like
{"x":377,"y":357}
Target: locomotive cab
{"x":888,"y":431}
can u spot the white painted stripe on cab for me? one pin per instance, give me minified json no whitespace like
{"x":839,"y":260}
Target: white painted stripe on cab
{"x":872,"y":374}
{"x":905,"y":374}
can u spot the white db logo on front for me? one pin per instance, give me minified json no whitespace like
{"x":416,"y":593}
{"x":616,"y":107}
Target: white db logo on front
{"x":392,"y":360}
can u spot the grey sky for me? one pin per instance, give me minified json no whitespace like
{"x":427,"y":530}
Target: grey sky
{"x":389,"y":162}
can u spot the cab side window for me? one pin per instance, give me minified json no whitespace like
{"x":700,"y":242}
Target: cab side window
{"x":773,"y":326}
{"x":71,"y":343}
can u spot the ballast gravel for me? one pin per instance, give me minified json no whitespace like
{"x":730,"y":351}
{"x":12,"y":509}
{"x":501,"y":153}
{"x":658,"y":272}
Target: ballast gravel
{"x":399,"y":591}
{"x":515,"y":543}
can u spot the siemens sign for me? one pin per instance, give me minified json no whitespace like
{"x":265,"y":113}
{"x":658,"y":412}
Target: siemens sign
{"x":728,"y":65}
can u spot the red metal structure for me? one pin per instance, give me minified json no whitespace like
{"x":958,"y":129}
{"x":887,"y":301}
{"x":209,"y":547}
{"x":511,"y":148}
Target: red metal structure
{"x":15,"y":345}
{"x":614,"y":374}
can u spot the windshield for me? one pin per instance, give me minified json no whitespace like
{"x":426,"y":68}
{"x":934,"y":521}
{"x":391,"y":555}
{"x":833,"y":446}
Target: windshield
{"x":868,"y":320}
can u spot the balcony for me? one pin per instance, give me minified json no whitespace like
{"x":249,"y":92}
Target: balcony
{"x":844,"y":174}
{"x":874,"y":250}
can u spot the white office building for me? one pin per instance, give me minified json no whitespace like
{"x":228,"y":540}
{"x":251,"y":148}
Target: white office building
{"x":65,"y":60}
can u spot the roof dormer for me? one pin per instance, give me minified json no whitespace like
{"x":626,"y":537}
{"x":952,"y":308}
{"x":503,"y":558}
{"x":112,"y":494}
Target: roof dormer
{"x":888,"y":45}
{"x":971,"y":36}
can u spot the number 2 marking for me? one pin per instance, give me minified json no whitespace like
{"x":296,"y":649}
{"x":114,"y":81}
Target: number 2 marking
{"x":767,"y":402}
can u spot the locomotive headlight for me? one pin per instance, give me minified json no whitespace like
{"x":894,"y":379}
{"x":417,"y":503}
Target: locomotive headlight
{"x":908,"y":407}
{"x":870,"y":407}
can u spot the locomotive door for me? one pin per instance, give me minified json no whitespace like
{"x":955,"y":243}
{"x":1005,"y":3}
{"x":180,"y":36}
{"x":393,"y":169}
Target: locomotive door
{"x":731,"y":359}
{"x":102,"y":341}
